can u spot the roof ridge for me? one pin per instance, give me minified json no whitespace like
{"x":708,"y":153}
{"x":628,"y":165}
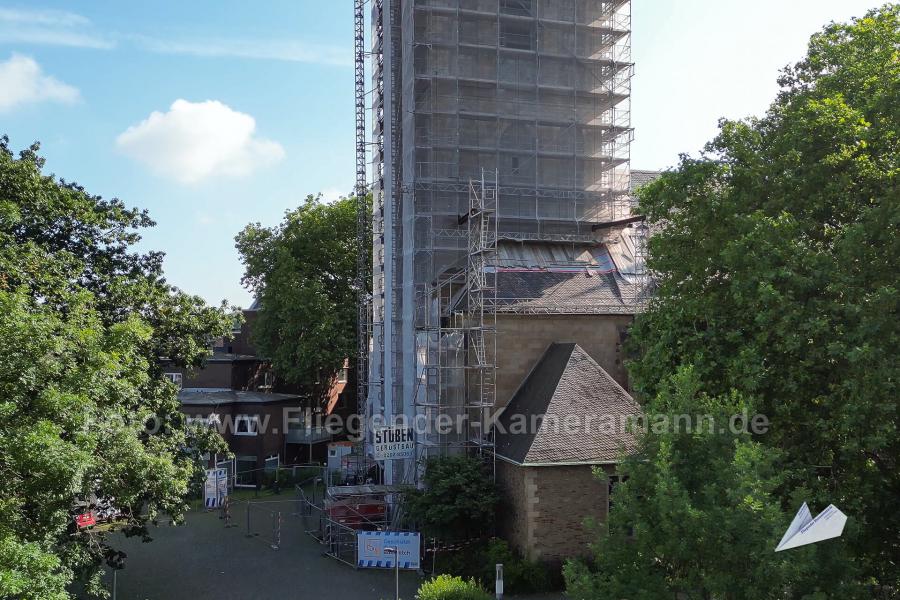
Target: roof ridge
{"x":545,"y":362}
{"x":531,"y":371}
{"x":603,"y":371}
{"x":579,"y":387}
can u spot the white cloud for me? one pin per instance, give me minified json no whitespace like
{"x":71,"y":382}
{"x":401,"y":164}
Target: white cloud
{"x":48,"y":27}
{"x":23,"y":82}
{"x":333,"y":194}
{"x":198,"y":140}
{"x":265,"y":49}
{"x":64,"y":28}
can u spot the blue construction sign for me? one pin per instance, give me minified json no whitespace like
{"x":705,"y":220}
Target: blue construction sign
{"x":371,"y":545}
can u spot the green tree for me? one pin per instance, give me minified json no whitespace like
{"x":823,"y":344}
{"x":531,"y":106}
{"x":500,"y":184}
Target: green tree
{"x":776,"y":253}
{"x":85,"y":412}
{"x":458,"y":500}
{"x":303,"y":273}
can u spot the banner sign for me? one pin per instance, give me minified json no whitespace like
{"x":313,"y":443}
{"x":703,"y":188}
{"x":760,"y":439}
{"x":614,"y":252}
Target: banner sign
{"x":371,"y":545}
{"x":216,"y":487}
{"x":394,"y":442}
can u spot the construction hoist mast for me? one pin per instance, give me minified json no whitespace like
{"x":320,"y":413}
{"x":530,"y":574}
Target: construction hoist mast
{"x":363,"y":216}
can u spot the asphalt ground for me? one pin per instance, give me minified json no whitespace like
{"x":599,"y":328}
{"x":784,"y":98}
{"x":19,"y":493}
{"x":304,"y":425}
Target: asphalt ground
{"x":203,"y":559}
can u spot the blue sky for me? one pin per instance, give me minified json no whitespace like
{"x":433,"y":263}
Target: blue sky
{"x":213,"y":114}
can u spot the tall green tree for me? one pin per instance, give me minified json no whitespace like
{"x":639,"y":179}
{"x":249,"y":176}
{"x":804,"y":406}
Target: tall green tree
{"x":303,"y":273}
{"x":85,"y":413}
{"x":776,"y":253}
{"x":457,"y":500}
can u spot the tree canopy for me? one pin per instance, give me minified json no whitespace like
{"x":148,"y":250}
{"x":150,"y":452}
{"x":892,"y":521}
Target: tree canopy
{"x":85,"y":412}
{"x":458,"y":499}
{"x":775,"y":254}
{"x":302,"y":273}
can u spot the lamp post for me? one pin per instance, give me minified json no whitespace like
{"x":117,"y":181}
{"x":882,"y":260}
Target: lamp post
{"x":396,"y":553}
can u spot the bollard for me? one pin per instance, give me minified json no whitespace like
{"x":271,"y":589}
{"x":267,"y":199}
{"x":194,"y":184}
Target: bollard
{"x":498,"y":586}
{"x":396,"y":552}
{"x":248,"y":520}
{"x":276,"y":530}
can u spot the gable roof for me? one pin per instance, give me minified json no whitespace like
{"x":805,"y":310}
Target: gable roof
{"x":566,"y":387}
{"x":641,"y":178}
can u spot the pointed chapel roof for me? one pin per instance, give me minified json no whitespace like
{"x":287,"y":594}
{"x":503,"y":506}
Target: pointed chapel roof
{"x":580,"y":410}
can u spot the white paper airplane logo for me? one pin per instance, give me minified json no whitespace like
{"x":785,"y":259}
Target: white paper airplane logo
{"x":806,"y":530}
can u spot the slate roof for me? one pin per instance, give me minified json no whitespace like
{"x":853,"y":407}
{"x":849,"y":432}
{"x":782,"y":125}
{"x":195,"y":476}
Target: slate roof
{"x":566,"y":383}
{"x":581,"y":292}
{"x":639,"y":178}
{"x":220,"y":396}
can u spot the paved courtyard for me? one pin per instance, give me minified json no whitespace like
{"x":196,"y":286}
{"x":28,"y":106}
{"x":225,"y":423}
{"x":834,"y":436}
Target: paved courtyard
{"x":204,"y":560}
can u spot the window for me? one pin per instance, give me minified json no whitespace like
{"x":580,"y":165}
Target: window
{"x":342,"y":375}
{"x":245,"y":471}
{"x":273,"y":462}
{"x":612,"y":482}
{"x":246,"y":425}
{"x":268,"y":380}
{"x":175,"y":378}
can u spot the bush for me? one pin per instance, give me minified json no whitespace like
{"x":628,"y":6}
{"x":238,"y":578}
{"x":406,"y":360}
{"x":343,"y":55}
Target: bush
{"x":520,"y":576}
{"x":446,"y":587}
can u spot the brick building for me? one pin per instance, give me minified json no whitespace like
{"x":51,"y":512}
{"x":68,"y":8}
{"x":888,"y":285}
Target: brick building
{"x":258,"y":427}
{"x":567,"y":418}
{"x":261,"y":417}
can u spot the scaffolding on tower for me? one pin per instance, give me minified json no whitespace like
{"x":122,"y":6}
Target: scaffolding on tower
{"x":511,"y":117}
{"x":456,"y":394}
{"x":481,"y":317}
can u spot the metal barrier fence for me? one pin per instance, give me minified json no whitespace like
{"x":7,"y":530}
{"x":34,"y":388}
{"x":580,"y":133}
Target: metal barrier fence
{"x":341,"y":542}
{"x":339,"y":539}
{"x":263,"y":520}
{"x":312,"y":515}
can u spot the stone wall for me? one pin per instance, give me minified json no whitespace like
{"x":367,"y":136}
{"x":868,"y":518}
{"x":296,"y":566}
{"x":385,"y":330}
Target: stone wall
{"x":545,"y":508}
{"x":513,"y":517}
{"x":522,"y":340}
{"x":566,"y":497}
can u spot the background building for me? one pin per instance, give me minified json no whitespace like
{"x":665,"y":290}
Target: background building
{"x":265,"y":421}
